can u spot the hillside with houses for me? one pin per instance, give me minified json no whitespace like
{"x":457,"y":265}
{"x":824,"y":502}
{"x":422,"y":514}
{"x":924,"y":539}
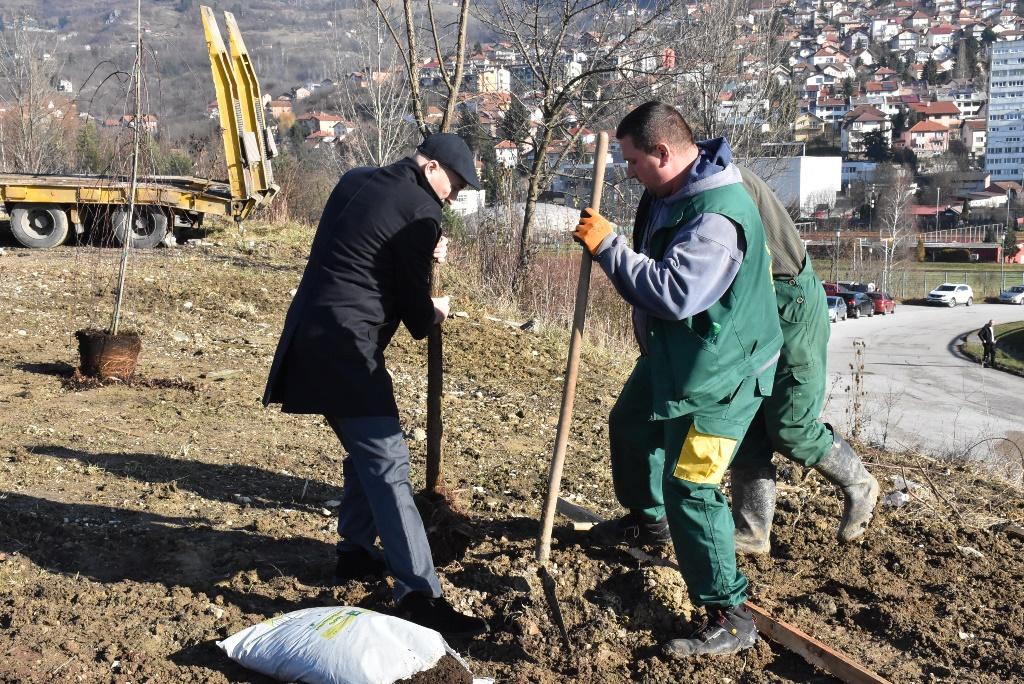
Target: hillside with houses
{"x":827,"y":98}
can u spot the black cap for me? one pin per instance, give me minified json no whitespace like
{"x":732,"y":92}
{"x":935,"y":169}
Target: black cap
{"x":452,"y":151}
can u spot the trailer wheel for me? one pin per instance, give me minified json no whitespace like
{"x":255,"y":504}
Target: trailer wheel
{"x":39,"y":225}
{"x":149,"y":227}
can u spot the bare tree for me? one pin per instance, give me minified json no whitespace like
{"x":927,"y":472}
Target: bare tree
{"x":33,"y":135}
{"x":734,"y":84}
{"x":451,"y":78}
{"x":372,"y":88}
{"x":895,"y":224}
{"x":579,"y":62}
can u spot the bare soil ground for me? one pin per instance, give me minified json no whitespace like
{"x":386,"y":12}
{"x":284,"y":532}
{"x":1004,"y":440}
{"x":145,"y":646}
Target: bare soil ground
{"x":141,"y":522}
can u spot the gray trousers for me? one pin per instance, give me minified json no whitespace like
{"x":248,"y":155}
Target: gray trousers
{"x":377,"y":502}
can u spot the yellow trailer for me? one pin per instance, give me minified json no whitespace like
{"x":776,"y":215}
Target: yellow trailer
{"x":43,"y":208}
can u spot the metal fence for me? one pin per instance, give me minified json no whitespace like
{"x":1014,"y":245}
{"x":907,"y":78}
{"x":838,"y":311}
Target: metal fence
{"x":910,"y":284}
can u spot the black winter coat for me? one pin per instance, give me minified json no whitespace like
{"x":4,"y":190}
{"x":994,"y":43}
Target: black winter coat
{"x":369,"y":269}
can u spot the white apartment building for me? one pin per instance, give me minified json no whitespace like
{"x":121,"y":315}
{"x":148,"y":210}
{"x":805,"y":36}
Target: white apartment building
{"x":804,"y":182}
{"x":1004,"y":149}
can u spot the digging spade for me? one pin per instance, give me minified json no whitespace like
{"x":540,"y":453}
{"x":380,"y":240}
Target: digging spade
{"x":571,"y":367}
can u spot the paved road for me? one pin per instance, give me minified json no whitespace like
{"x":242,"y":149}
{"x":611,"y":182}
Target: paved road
{"x":918,"y":390}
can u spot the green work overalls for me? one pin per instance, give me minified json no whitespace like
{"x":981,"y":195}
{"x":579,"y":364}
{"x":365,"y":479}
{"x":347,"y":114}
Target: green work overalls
{"x":787,"y":421}
{"x":676,"y":424}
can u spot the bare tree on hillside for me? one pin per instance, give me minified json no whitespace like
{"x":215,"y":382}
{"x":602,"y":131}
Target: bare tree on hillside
{"x":895,"y":223}
{"x":579,"y":63}
{"x":33,"y":132}
{"x":375,"y":97}
{"x":733,"y":85}
{"x":447,"y":44}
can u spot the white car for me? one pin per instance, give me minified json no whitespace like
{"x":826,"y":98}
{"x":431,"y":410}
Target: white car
{"x":1014,"y":295}
{"x":951,"y":294}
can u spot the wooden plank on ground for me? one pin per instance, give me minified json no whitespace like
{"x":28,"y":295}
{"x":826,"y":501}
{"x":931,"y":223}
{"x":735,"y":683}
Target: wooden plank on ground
{"x":812,"y":650}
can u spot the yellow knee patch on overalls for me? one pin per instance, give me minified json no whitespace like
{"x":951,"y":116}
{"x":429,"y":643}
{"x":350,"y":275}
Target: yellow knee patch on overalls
{"x":704,"y":458}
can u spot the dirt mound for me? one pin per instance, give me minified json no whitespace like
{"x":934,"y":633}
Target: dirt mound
{"x":143,"y":521}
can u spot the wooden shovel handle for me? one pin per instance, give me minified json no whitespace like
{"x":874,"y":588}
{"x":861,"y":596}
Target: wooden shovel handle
{"x":571,"y":366}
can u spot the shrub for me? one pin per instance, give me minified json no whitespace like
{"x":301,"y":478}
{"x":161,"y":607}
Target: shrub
{"x":953,"y":255}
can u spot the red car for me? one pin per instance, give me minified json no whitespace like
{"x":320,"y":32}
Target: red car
{"x":883,"y":302}
{"x":834,"y":289}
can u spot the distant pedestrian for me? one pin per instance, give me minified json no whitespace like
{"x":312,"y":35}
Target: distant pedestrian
{"x":988,"y":341}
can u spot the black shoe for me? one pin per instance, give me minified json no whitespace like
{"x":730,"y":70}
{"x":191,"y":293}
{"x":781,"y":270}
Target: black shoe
{"x":726,"y":630}
{"x":631,"y":529}
{"x":437,"y":614}
{"x":358,"y":564}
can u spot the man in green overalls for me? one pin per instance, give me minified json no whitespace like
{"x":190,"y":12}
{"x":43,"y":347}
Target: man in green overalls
{"x":699,"y":280}
{"x":787,"y":421}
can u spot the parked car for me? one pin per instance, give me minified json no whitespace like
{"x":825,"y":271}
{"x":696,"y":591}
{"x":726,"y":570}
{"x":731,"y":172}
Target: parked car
{"x":1014,"y":295}
{"x":858,"y":304}
{"x":883,"y":302}
{"x":951,"y":294}
{"x":833,"y":289}
{"x":836,"y":309}
{"x":858,"y":287}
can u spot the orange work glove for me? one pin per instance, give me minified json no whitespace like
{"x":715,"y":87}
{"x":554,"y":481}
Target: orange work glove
{"x":592,"y":229}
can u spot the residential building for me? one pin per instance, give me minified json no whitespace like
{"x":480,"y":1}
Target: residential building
{"x":507,"y":154}
{"x":973,"y":134}
{"x":927,"y":138}
{"x":149,"y":122}
{"x":857,"y":172}
{"x":807,"y":126}
{"x":861,"y":121}
{"x":275,"y":108}
{"x":943,"y":112}
{"x":804,"y":182}
{"x":1004,"y":152}
{"x":969,"y":100}
{"x":942,"y":35}
{"x":319,"y":121}
{"x":498,"y":80}
{"x":829,"y":109}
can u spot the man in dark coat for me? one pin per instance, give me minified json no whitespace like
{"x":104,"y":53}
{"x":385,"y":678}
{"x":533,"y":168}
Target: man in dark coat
{"x":369,"y":270}
{"x":988,"y":343}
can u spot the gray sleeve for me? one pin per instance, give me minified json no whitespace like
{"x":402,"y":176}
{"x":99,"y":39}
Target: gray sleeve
{"x":699,"y":265}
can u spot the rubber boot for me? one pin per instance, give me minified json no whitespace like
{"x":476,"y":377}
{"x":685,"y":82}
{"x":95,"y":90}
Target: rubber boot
{"x":843,"y":468}
{"x":727,"y":630}
{"x":753,"y":508}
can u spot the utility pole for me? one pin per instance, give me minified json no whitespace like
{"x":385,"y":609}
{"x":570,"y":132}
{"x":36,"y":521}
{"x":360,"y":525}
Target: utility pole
{"x":938,"y":193}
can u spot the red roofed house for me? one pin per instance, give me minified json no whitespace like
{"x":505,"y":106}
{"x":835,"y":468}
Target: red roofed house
{"x":275,"y":108}
{"x":149,"y":122}
{"x":507,"y":154}
{"x":927,"y":138}
{"x":942,"y":35}
{"x":944,"y":112}
{"x":318,"y":139}
{"x":319,"y":121}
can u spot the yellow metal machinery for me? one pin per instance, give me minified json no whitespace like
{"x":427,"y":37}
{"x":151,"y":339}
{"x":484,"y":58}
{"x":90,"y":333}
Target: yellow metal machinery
{"x":42,"y":207}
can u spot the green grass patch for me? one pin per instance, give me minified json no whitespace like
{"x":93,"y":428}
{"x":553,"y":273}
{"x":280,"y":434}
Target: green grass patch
{"x":1009,"y":347}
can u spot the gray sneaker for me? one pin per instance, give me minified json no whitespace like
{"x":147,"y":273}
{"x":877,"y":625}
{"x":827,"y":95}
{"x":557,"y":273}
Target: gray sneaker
{"x":632,"y":529}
